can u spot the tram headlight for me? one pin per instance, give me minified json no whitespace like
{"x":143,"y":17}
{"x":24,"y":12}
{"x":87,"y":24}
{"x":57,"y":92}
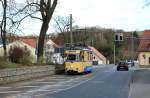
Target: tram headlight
{"x":71,"y":66}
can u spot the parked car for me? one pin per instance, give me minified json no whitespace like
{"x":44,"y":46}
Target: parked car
{"x":122,"y":66}
{"x":131,"y":63}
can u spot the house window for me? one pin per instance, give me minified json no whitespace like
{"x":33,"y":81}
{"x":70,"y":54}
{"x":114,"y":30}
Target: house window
{"x":148,"y":46}
{"x":49,"y":47}
{"x":121,"y":38}
{"x":149,"y":60}
{"x":116,"y":38}
{"x":25,"y":48}
{"x":144,"y":56}
{"x":94,"y":57}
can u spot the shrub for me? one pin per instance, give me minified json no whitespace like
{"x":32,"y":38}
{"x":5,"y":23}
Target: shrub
{"x":50,"y":63}
{"x":41,"y":60}
{"x":20,"y":55}
{"x":15,"y":54}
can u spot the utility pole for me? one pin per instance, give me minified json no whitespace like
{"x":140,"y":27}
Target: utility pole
{"x":132,"y":47}
{"x":114,"y":54}
{"x":71,"y":38}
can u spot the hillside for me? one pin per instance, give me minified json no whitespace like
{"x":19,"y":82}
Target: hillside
{"x":102,"y":39}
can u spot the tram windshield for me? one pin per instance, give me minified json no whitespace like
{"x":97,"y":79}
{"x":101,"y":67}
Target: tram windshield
{"x":71,"y":57}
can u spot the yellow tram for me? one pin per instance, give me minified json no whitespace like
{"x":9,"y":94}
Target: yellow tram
{"x":78,"y":60}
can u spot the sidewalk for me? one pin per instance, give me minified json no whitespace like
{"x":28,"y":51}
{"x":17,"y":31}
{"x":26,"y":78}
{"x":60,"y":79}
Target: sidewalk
{"x":140,"y":86}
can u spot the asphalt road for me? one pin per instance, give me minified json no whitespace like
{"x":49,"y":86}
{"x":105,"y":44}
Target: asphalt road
{"x":103,"y":82}
{"x":140,"y":85}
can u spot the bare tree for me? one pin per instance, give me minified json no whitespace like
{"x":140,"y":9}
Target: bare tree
{"x":7,"y":22}
{"x":61,"y":24}
{"x":47,"y":10}
{"x":3,"y":25}
{"x":42,"y":10}
{"x":146,"y":3}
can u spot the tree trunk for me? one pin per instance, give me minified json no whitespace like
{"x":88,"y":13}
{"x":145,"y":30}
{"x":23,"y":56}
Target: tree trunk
{"x":4,"y":29}
{"x":4,"y":44}
{"x":46,"y":13}
{"x":41,"y":39}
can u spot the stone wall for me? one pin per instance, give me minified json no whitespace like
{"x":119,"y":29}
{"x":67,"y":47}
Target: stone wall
{"x":60,"y":69}
{"x":18,"y":74}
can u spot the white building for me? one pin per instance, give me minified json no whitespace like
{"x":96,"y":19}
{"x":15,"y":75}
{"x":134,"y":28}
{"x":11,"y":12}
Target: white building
{"x":50,"y":54}
{"x":97,"y":56}
{"x":20,"y":44}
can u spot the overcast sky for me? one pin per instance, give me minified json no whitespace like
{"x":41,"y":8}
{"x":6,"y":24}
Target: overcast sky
{"x":119,"y":14}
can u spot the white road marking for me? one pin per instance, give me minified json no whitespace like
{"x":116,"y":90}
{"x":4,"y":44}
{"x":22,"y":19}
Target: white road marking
{"x":9,"y":92}
{"x":57,"y":79}
{"x":44,"y":82}
{"x":28,"y":86}
{"x":40,"y":90}
{"x":97,"y":82}
{"x":51,"y":79}
{"x":4,"y":87}
{"x":54,"y":88}
{"x":67,"y":88}
{"x":50,"y":88}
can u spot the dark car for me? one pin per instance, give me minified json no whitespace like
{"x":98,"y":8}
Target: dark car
{"x":122,"y":66}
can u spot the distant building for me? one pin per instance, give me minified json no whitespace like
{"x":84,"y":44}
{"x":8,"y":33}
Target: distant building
{"x":97,"y":56}
{"x":144,"y":49}
{"x":119,"y":36}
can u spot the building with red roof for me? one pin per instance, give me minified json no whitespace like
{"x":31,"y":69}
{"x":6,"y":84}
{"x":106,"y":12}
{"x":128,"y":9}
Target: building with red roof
{"x":31,"y":43}
{"x":144,"y":48}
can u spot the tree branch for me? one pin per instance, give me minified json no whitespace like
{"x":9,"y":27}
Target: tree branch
{"x":51,"y":9}
{"x":2,"y":3}
{"x":42,"y":8}
{"x":58,"y":25}
{"x":36,"y":17}
{"x":48,"y":4}
{"x":21,"y":10}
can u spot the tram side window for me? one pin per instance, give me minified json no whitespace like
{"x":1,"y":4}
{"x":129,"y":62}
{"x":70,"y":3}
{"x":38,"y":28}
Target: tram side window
{"x":71,"y":57}
{"x":82,"y":56}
